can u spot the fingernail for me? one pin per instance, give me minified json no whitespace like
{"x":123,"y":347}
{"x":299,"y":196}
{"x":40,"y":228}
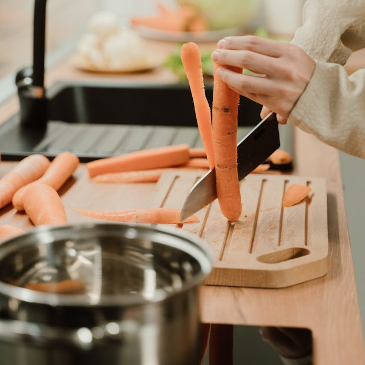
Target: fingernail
{"x":219,"y":71}
{"x":215,"y":55}
{"x":222,"y":43}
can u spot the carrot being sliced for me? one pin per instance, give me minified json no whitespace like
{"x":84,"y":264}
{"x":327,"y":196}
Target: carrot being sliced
{"x":43,"y":205}
{"x":224,"y":116}
{"x":7,"y":230}
{"x":61,"y":287}
{"x":295,"y":194}
{"x":153,"y":215}
{"x":26,"y":171}
{"x":153,"y":158}
{"x":280,"y":157}
{"x":198,"y":152}
{"x":191,"y":59}
{"x":128,"y":177}
{"x":58,"y":172}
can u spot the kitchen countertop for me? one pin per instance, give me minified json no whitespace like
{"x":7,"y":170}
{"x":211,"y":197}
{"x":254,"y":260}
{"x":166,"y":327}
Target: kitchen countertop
{"x":328,"y":305}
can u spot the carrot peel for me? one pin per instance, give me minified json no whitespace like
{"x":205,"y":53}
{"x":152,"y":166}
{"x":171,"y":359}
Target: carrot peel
{"x":152,"y":215}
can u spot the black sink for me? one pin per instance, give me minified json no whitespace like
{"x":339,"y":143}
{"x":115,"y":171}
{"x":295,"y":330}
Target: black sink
{"x":99,"y":120}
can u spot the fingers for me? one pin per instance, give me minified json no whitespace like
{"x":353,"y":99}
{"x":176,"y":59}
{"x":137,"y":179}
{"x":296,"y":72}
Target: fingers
{"x":246,"y":84}
{"x":252,"y":61}
{"x":255,"y":44}
{"x":264,"y":112}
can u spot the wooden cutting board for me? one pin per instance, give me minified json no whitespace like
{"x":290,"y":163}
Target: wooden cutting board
{"x":270,"y":246}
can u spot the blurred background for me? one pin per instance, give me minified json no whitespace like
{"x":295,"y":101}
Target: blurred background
{"x":68,"y":20}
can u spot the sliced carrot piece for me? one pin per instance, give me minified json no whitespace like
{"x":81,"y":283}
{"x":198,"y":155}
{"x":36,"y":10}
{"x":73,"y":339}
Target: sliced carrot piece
{"x":191,"y":60}
{"x":43,"y":205}
{"x":61,"y":287}
{"x":26,"y":171}
{"x":261,"y":168}
{"x":153,"y":158}
{"x":153,"y":215}
{"x":280,"y":157}
{"x":58,"y":172}
{"x":295,"y":194}
{"x":7,"y":230}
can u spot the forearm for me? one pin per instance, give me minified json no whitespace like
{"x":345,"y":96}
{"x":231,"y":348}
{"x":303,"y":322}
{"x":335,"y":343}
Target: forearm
{"x":331,"y":29}
{"x":333,"y":108}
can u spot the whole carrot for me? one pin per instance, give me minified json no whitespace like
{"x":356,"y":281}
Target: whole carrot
{"x":58,"y":172}
{"x":153,"y":215}
{"x":43,"y":205}
{"x":129,"y":177}
{"x":153,"y":158}
{"x":26,"y":171}
{"x":224,"y":116}
{"x":191,"y":59}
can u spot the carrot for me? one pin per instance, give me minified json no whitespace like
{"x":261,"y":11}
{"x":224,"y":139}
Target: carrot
{"x":280,"y":157}
{"x":295,"y":194}
{"x":221,"y":344}
{"x":191,"y":59}
{"x":61,"y":287}
{"x":27,"y":170}
{"x":141,"y":176}
{"x":169,"y":20}
{"x":153,"y":215}
{"x":224,"y":116}
{"x":153,"y":158}
{"x":261,"y":168}
{"x":197,"y":163}
{"x":8,"y":230}
{"x":197,"y":152}
{"x":60,"y":169}
{"x":43,"y":205}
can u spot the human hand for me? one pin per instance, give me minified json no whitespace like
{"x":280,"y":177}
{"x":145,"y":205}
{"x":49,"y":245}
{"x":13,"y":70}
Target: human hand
{"x":288,"y":342}
{"x":285,"y":71}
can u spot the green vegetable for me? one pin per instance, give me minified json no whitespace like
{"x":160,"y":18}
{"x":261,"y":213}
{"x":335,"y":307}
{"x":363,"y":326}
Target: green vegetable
{"x":173,"y":62}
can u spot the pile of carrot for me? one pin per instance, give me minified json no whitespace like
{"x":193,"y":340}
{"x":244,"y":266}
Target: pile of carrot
{"x":182,"y":19}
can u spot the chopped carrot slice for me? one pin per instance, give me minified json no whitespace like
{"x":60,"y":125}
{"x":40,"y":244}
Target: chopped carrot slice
{"x":280,"y":157}
{"x":261,"y":168}
{"x":153,"y":215}
{"x":295,"y":194}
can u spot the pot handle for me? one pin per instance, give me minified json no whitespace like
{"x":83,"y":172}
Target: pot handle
{"x":83,"y":338}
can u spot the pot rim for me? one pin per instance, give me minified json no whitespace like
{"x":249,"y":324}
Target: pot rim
{"x":192,"y":245}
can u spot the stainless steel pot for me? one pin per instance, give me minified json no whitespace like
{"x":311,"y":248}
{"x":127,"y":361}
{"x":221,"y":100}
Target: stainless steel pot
{"x":139,"y":302}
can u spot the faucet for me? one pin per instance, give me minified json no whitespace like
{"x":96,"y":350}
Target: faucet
{"x":30,"y":81}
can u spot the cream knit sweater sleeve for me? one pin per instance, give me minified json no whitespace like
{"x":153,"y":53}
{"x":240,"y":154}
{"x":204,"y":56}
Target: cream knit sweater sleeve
{"x":333,"y":105}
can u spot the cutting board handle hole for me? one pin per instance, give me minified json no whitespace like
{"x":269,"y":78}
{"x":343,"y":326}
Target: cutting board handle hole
{"x":283,"y":255}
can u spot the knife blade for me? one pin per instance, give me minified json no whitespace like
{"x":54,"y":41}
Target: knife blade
{"x":252,"y":150}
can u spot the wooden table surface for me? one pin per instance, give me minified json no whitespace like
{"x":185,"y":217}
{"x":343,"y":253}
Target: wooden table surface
{"x":328,"y":306}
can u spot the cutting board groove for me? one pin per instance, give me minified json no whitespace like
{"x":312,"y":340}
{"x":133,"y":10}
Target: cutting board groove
{"x":269,"y":246}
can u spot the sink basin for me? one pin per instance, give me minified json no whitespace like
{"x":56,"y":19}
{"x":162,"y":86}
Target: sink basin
{"x":100,"y":120}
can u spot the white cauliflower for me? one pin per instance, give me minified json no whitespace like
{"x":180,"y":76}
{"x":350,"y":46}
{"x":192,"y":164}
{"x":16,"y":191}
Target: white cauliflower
{"x":110,"y":47}
{"x":124,"y":50}
{"x":104,"y":24}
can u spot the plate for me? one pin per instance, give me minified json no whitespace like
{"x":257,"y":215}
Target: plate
{"x":163,"y":35}
{"x":82,"y":64}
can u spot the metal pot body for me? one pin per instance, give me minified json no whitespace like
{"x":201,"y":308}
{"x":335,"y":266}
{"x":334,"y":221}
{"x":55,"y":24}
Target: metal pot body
{"x":140,"y":303}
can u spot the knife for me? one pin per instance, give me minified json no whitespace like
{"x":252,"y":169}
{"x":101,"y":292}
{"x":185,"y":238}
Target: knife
{"x":252,"y":150}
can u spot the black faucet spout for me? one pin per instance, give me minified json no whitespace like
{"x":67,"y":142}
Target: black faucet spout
{"x":30,"y":82}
